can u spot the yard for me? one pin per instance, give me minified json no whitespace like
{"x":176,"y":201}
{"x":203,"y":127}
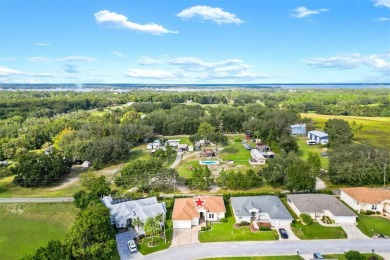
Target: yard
{"x":342,"y":257}
{"x":224,"y":232}
{"x":371,"y":225}
{"x":282,"y":257}
{"x":235,"y":151}
{"x":375,"y":131}
{"x":161,"y":245}
{"x":25,"y":227}
{"x":305,"y":149}
{"x":317,"y":231}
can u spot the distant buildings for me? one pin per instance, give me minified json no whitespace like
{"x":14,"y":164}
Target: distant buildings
{"x":318,"y":136}
{"x":299,"y":129}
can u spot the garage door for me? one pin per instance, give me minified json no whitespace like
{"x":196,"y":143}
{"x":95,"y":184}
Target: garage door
{"x":345,"y":219}
{"x":182,"y":224}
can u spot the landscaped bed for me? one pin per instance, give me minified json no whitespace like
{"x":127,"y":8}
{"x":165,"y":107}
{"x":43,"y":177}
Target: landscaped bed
{"x":159,"y":242}
{"x":223,"y":232}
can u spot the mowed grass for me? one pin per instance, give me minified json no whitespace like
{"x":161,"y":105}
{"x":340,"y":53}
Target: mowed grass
{"x":224,"y":232}
{"x":342,"y":257}
{"x":371,"y":225}
{"x":26,"y":227}
{"x":281,"y":257}
{"x":317,"y":231}
{"x":375,"y":131}
{"x":305,"y":149}
{"x":236,"y":152}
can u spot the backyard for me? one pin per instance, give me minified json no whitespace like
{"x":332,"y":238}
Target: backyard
{"x":224,"y":232}
{"x":25,"y":227}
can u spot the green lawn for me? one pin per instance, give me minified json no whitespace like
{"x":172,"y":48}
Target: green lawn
{"x":317,"y":231}
{"x":304,"y":150}
{"x":236,"y":152}
{"x":375,"y":131}
{"x":371,"y":225}
{"x":24,"y":227}
{"x":342,"y":257}
{"x":282,"y":257}
{"x":224,"y":232}
{"x":185,"y":166}
{"x":145,"y":249}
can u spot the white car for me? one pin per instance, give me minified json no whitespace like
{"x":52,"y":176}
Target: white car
{"x":132,"y":246}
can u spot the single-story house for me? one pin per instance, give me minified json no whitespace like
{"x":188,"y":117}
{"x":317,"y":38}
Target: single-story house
{"x":182,"y":147}
{"x":318,"y":136}
{"x":188,"y":212}
{"x":173,"y":143}
{"x":156,"y":144}
{"x":122,"y":211}
{"x":320,"y":205}
{"x":298,"y":129}
{"x":266,"y":208}
{"x":257,"y":157}
{"x":363,"y":198}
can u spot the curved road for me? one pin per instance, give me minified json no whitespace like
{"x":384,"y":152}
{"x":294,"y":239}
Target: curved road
{"x":38,"y":200}
{"x":196,"y":251}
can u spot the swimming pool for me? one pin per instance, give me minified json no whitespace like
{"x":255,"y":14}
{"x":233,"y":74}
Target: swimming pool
{"x":208,"y":162}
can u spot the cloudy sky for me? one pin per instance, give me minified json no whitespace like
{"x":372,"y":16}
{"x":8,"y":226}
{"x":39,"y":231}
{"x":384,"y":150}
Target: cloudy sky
{"x":176,"y":41}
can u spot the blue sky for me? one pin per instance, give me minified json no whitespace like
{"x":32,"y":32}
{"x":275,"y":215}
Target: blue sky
{"x":168,"y":41}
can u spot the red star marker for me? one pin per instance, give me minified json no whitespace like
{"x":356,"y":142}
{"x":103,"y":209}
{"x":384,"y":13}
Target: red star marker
{"x":199,"y":202}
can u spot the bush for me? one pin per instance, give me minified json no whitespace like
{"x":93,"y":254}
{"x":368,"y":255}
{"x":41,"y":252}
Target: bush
{"x":224,"y":220}
{"x":264,"y":228}
{"x":305,"y":218}
{"x":368,"y":212}
{"x":354,"y":255}
{"x":243,"y":223}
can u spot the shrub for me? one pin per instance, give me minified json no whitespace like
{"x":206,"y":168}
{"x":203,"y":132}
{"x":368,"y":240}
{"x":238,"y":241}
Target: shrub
{"x":369,"y":212}
{"x":378,"y":212}
{"x":305,"y":218}
{"x":264,"y":228}
{"x":354,"y":255}
{"x":224,"y":220}
{"x":243,"y":223}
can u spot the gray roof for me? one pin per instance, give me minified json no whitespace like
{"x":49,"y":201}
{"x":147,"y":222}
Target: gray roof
{"x":314,"y":203}
{"x":298,"y":125}
{"x":318,"y":133}
{"x":269,"y":204}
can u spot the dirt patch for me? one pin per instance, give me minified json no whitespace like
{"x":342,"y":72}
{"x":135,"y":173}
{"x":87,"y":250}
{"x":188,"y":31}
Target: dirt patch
{"x":15,"y":209}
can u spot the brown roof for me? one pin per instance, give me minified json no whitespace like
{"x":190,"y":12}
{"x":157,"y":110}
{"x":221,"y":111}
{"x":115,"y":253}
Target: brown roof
{"x":185,"y":209}
{"x":368,"y":195}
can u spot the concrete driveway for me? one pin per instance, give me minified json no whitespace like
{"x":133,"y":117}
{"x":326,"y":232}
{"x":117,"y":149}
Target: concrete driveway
{"x":121,"y":244}
{"x":353,"y":232}
{"x":185,"y":236}
{"x":291,"y":235}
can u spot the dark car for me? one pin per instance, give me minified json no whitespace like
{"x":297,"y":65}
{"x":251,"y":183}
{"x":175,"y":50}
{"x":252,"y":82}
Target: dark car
{"x":283,"y":233}
{"x":318,"y":256}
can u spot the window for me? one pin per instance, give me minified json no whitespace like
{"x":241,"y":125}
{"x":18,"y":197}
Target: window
{"x":211,"y":215}
{"x":373,"y":207}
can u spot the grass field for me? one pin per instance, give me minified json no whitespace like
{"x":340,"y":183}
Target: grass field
{"x":282,"y":257}
{"x":371,"y":225}
{"x":342,"y":257}
{"x":26,"y":227}
{"x":236,"y":152}
{"x":224,"y":232}
{"x":375,"y":131}
{"x":317,"y":231}
{"x":304,"y":150}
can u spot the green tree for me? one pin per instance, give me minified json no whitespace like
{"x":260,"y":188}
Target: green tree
{"x":152,"y":227}
{"x":314,"y":162}
{"x":354,"y":255}
{"x":305,"y":219}
{"x":339,"y":132}
{"x":137,"y":224}
{"x":205,"y":130}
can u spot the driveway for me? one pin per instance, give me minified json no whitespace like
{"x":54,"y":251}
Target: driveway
{"x":320,"y":184}
{"x":185,"y":236}
{"x":291,"y":235}
{"x":121,"y":244}
{"x":353,"y":232}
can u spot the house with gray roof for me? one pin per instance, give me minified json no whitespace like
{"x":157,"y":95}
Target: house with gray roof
{"x":262,"y":209}
{"x":124,"y":210}
{"x":319,"y":205}
{"x":318,"y":136}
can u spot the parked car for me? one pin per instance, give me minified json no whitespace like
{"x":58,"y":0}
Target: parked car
{"x":318,"y":256}
{"x":283,"y":233}
{"x":132,"y":246}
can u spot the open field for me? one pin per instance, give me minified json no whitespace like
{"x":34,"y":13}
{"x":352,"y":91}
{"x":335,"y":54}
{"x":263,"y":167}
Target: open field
{"x":26,"y":227}
{"x":304,"y":150}
{"x":375,"y":131}
{"x":223,"y":232}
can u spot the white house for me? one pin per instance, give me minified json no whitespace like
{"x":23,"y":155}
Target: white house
{"x":257,"y":157}
{"x":188,"y":212}
{"x":156,"y":144}
{"x":269,"y":209}
{"x":318,"y":136}
{"x":122,"y":211}
{"x":173,"y":143}
{"x":362,"y":198}
{"x":319,"y":205}
{"x":298,"y":129}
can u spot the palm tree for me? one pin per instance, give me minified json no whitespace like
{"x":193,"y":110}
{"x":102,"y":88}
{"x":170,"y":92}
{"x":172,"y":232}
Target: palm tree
{"x":137,"y":223}
{"x":161,"y":219}
{"x":152,"y":226}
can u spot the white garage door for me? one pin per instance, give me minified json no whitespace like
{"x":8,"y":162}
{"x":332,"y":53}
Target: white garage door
{"x":182,"y":224}
{"x":280,"y":222}
{"x":345,"y":219}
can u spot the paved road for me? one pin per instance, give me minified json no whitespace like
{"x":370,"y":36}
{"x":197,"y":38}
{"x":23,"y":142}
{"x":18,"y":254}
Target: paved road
{"x":176,"y":162}
{"x":307,"y":247}
{"x":39,"y":200}
{"x":320,"y":184}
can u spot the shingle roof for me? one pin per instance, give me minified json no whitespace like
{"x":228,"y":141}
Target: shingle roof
{"x":270,"y":204}
{"x":368,"y":195}
{"x":185,"y":208}
{"x":314,"y":203}
{"x":318,"y":133}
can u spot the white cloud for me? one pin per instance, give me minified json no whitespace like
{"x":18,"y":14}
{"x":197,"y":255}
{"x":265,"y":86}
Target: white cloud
{"x":8,"y":59}
{"x":145,"y":60}
{"x":151,"y":74}
{"x":42,"y":44}
{"x":78,"y":59}
{"x":350,"y":61}
{"x":38,"y":59}
{"x":121,"y":21}
{"x":302,"y":12}
{"x":382,"y":19}
{"x":118,"y":54}
{"x":208,"y":13}
{"x":385,"y":3}
{"x":4,"y":71}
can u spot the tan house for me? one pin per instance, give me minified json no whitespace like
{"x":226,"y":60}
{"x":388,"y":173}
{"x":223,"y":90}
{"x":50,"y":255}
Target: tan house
{"x":362,"y":198}
{"x":188,"y":212}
